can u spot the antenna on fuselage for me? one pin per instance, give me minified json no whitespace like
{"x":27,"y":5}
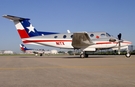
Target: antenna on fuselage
{"x":68,"y":31}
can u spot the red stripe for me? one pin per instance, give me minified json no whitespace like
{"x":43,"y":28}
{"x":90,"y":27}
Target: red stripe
{"x":23,"y":34}
{"x":27,"y":41}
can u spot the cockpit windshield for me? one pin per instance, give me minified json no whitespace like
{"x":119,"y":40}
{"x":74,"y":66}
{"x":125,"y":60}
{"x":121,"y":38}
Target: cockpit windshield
{"x":108,"y":35}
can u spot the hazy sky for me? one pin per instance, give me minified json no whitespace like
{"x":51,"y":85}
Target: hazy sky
{"x":112,"y":16}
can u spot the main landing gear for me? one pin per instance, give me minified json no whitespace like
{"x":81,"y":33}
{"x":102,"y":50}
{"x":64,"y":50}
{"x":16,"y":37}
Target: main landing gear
{"x":40,"y":54}
{"x":83,"y":55}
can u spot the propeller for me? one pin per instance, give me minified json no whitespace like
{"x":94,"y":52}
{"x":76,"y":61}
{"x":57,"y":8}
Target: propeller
{"x":119,"y":36}
{"x":119,"y":42}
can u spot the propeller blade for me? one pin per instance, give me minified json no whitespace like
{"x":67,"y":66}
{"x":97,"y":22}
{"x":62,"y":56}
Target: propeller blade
{"x":119,"y":36}
{"x":119,"y":42}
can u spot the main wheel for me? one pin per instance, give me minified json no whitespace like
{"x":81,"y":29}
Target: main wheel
{"x":81,"y":55}
{"x":36,"y":54}
{"x":41,"y":54}
{"x":86,"y":55}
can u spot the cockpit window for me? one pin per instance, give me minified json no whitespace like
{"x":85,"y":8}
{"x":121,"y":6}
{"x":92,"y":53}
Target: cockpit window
{"x":91,"y":35}
{"x":108,"y":35}
{"x":102,"y":35}
{"x":71,"y":36}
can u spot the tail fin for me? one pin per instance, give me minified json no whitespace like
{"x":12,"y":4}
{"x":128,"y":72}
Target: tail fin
{"x":23,"y":48}
{"x":23,"y":26}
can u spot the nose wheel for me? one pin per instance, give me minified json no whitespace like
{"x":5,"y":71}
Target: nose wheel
{"x":128,"y":54}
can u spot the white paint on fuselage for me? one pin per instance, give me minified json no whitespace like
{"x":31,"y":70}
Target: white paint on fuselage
{"x":60,"y":42}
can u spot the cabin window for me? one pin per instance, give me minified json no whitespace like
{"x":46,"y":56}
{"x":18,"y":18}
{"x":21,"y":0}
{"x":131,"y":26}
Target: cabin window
{"x":64,"y":36}
{"x":55,"y":36}
{"x":91,"y":35}
{"x":71,"y":36}
{"x":102,"y":35}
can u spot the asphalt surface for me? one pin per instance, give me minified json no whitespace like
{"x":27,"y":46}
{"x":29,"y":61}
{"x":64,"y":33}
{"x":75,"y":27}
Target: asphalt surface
{"x":67,"y":71}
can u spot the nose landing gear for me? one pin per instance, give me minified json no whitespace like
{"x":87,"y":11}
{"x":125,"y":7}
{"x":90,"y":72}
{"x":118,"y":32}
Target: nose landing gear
{"x":128,"y":54}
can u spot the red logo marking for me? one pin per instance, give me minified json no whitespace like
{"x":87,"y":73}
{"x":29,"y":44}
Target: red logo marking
{"x":97,"y":37}
{"x":60,"y":43}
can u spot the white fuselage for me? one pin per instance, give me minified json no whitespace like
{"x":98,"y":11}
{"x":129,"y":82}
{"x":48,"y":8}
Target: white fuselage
{"x":100,"y":40}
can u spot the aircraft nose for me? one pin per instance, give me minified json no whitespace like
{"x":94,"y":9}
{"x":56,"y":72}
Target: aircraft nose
{"x":128,"y":42}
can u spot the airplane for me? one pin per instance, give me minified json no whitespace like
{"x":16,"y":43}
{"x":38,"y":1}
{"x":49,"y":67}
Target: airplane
{"x":35,"y":51}
{"x":85,"y":41}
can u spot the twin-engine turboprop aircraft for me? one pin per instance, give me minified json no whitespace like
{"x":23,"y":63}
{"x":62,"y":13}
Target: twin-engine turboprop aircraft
{"x":86,"y":41}
{"x":35,"y":51}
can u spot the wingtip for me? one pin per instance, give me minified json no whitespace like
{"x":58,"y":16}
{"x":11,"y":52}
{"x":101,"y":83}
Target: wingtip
{"x":4,"y":15}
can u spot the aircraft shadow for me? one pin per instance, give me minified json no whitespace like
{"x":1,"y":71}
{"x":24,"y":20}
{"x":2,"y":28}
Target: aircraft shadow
{"x":70,"y":57}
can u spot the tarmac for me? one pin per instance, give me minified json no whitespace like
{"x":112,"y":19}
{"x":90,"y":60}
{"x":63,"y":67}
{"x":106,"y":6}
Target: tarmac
{"x":67,"y":71}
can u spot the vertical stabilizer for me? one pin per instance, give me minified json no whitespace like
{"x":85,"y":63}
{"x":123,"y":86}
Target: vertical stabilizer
{"x":23,"y":26}
{"x":23,"y":48}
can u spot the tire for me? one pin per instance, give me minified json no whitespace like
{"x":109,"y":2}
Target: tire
{"x":86,"y":55}
{"x":41,"y":54}
{"x":81,"y":55}
{"x":128,"y":55}
{"x":36,"y":54}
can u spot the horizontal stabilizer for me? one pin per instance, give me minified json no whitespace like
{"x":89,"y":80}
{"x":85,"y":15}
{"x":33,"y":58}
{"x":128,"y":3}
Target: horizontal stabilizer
{"x":15,"y":18}
{"x":81,"y":40}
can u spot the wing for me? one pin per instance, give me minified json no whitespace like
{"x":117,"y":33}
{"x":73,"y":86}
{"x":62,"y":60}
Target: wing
{"x":81,"y":40}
